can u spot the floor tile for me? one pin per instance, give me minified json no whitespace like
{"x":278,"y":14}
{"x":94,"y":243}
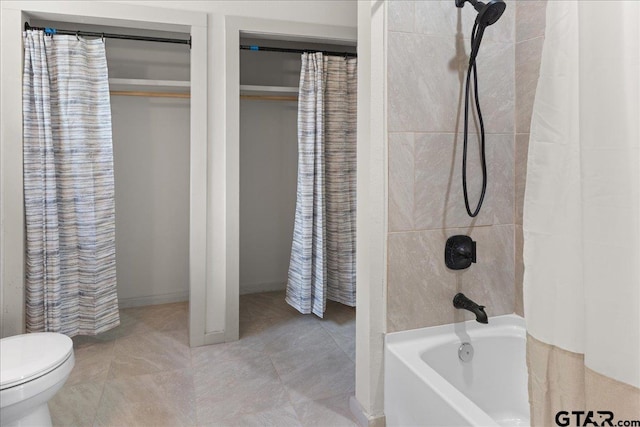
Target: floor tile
{"x":163,"y":399}
{"x":278,"y":417}
{"x":129,"y":325}
{"x":287,"y":369}
{"x":92,"y":362}
{"x":266,"y":305}
{"x":331,"y":412}
{"x":76,"y":405}
{"x":163,"y":317}
{"x":297,"y":335}
{"x":149,"y":353}
{"x":251,"y":344}
{"x":318,"y":376}
{"x":238,"y":386}
{"x":347,"y":344}
{"x":339,"y":320}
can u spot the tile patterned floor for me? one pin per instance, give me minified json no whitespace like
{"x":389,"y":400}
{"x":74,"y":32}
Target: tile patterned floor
{"x":286,"y":370}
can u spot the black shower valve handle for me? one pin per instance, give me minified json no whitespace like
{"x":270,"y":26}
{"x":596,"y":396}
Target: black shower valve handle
{"x":467,"y":252}
{"x":459,"y":252}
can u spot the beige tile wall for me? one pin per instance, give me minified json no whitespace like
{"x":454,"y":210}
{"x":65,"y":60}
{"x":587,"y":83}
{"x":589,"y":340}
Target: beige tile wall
{"x":421,"y":287}
{"x":428,"y":43}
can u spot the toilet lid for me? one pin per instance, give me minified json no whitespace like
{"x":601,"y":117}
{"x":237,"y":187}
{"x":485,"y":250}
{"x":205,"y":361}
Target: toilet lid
{"x":26,"y":357}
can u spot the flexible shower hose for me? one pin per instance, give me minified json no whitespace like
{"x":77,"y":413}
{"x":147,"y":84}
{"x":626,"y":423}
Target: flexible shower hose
{"x":476,"y":38}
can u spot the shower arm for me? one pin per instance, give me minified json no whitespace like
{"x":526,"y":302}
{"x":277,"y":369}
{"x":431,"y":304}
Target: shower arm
{"x":488,"y":13}
{"x":474,"y":3}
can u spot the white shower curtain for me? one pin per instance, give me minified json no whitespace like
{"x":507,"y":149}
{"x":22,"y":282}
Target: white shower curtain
{"x":581,"y":215}
{"x":323,"y":251}
{"x":68,"y":186}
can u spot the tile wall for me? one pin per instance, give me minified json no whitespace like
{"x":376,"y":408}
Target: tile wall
{"x":428,"y":43}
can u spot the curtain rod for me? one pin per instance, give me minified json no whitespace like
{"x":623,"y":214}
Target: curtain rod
{"x":278,"y":49}
{"x":53,"y":31}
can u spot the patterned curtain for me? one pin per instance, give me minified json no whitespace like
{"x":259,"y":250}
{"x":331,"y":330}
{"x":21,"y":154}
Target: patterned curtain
{"x":323,"y":251}
{"x":68,"y":186}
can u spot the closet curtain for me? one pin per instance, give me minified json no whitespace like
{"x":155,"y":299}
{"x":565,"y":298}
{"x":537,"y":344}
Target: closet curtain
{"x":322,"y":262}
{"x":68,"y":186}
{"x":582,"y":216}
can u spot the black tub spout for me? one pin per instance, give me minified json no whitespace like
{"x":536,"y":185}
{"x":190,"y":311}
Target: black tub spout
{"x":461,"y":301}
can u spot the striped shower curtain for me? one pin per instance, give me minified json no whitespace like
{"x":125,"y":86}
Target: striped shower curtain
{"x":322,"y":262}
{"x":68,"y":186}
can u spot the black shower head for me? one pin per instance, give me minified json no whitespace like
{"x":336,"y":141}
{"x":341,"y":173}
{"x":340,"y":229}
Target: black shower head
{"x":488,"y":13}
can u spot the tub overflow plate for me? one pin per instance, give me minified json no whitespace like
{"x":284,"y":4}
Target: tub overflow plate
{"x":465,"y":352}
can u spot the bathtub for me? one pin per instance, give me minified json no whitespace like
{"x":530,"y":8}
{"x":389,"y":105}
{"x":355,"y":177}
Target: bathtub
{"x":426,"y":383}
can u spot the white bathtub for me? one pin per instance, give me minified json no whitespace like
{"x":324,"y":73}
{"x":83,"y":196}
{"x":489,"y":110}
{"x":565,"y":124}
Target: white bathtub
{"x":427,"y":384}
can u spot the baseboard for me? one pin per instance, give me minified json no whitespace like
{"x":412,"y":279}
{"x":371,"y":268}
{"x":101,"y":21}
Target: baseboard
{"x":216,"y":337}
{"x":153,"y":299}
{"x":254,"y":288}
{"x":363,"y":419}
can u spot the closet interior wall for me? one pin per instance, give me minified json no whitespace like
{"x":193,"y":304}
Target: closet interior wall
{"x":268,"y":171}
{"x":151,"y":163}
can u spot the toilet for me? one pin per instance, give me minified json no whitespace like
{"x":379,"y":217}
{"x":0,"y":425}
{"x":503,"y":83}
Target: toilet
{"x":33,"y":367}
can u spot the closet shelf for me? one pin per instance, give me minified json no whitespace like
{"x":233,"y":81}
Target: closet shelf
{"x":116,"y":84}
{"x":267,"y":90}
{"x":269,"y":93}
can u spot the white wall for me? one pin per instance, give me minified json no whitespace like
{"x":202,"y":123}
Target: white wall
{"x":151,"y":162}
{"x":268,"y":169}
{"x":327,"y":12}
{"x":268,"y":172}
{"x":372,"y":214}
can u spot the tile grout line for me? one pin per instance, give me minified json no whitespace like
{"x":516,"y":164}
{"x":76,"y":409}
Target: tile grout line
{"x":336,"y":342}
{"x":286,"y":389}
{"x":423,"y":230}
{"x":193,"y":386}
{"x":104,"y":385}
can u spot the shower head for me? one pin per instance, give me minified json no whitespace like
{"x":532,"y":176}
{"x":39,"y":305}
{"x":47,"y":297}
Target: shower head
{"x":488,"y":13}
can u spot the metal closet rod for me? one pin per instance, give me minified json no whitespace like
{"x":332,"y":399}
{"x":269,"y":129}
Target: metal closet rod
{"x":279,"y":49}
{"x":53,"y":31}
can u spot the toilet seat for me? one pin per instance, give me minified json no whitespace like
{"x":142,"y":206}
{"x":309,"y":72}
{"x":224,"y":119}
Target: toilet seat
{"x":30,"y":356}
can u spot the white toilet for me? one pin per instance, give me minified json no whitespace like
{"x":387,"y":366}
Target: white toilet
{"x":33,"y":367}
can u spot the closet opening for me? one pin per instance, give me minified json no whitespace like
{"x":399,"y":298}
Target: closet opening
{"x":269,"y":83}
{"x":149,"y":84}
{"x":268,"y":167}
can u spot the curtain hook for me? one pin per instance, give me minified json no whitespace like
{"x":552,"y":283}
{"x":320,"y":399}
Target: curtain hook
{"x":102,"y":38}
{"x":78,"y":35}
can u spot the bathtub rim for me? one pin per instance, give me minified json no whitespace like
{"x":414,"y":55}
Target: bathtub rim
{"x":504,"y":322}
{"x":403,"y":346}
